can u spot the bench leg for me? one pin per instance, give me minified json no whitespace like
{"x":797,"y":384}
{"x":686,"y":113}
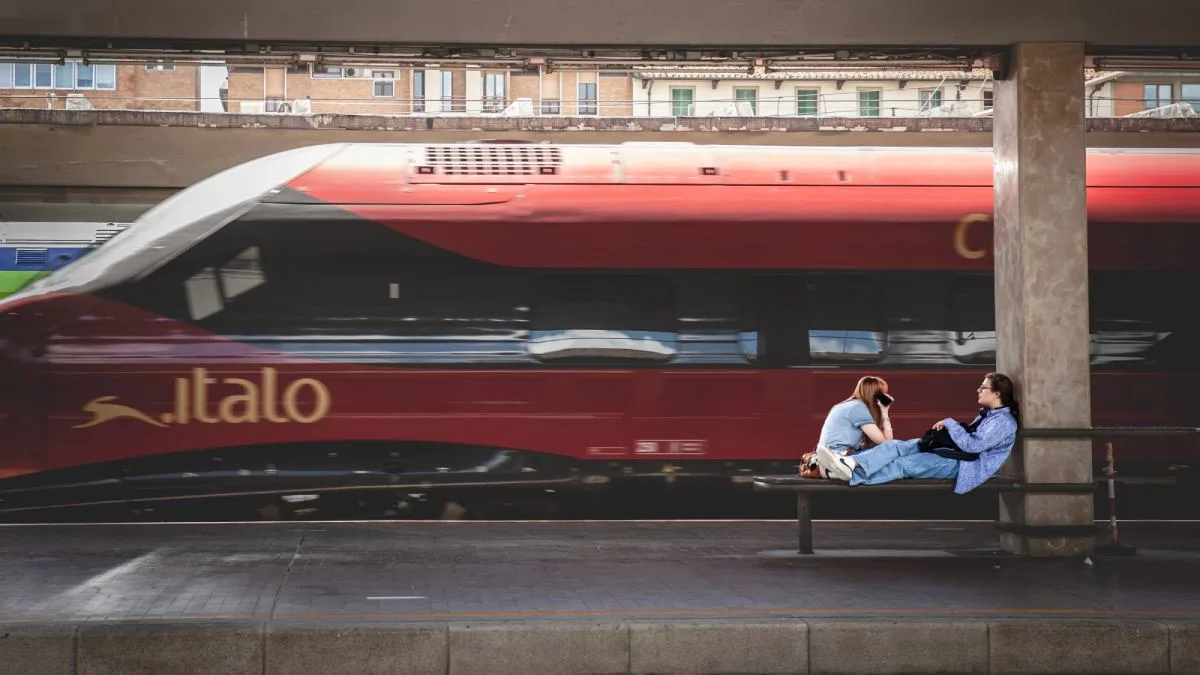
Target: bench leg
{"x":804,"y":520}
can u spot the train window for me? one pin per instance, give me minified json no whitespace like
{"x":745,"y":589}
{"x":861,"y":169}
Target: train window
{"x":588,"y":317}
{"x":209,"y":290}
{"x":973,"y":320}
{"x":845,"y":318}
{"x":712,"y":330}
{"x":203,"y":295}
{"x":916,"y":317}
{"x":1136,"y":320}
{"x":242,"y":274}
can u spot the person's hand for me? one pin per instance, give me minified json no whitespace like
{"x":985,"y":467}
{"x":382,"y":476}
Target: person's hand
{"x":939,"y":425}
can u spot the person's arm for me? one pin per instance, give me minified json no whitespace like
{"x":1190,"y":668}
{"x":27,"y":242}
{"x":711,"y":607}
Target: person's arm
{"x":872,"y":430}
{"x":987,"y":436}
{"x":876,"y":435}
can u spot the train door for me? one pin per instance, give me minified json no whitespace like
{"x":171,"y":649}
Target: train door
{"x":777,"y":306}
{"x":591,"y":332}
{"x":703,"y":409}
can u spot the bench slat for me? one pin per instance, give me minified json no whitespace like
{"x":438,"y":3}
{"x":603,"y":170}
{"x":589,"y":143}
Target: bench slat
{"x":794,"y":483}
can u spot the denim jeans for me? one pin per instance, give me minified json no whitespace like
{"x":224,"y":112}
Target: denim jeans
{"x":893,"y":460}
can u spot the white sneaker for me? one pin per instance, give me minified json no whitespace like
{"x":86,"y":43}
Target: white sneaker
{"x":834,"y":464}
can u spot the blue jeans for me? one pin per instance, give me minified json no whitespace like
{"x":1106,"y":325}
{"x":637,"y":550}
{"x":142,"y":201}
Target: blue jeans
{"x":893,"y":460}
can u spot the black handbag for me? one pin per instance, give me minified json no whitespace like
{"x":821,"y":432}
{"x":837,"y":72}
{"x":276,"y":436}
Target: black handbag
{"x":939,"y":442}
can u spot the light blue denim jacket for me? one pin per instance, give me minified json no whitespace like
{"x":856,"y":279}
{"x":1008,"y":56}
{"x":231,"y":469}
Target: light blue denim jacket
{"x":993,"y":441}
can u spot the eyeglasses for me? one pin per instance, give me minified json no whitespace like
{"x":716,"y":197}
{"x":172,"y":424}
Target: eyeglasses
{"x":984,"y":389}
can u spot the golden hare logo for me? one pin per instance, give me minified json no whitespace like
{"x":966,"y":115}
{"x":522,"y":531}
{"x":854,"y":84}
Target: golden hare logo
{"x":255,"y":402}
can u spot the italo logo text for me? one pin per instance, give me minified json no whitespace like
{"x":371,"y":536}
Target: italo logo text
{"x":304,"y":401}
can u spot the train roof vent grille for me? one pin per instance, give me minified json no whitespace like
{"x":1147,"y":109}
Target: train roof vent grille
{"x":31,"y":256}
{"x":104,"y":234}
{"x":493,"y":160}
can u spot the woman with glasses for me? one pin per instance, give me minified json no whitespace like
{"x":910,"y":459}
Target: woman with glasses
{"x":983,"y":446}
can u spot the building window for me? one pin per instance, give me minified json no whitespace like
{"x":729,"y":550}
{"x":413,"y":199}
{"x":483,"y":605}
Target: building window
{"x":384,"y":83}
{"x":70,"y":75}
{"x":493,"y":92}
{"x":929,"y":99}
{"x":1190,"y":93}
{"x":868,"y":102}
{"x":682,"y":101}
{"x":106,"y":76}
{"x":160,"y":66}
{"x":274,"y":105}
{"x":806,"y":101}
{"x":84,"y":77}
{"x":43,"y":76}
{"x":447,"y":90}
{"x":989,"y":98}
{"x":64,"y":76}
{"x":22,"y":75}
{"x":551,"y":107}
{"x":587,"y":99}
{"x":325,"y":72}
{"x":1157,"y":95}
{"x":746,"y":95}
{"x":418,"y":91}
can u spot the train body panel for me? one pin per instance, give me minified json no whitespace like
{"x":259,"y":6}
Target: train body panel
{"x":32,"y":250}
{"x":389,"y":316}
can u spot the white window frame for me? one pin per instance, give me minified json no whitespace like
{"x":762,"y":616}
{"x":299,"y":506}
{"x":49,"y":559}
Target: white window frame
{"x":878,"y":102}
{"x":692,"y":104}
{"x":75,"y":78}
{"x":71,"y":83}
{"x":380,"y":77}
{"x":497,"y":84}
{"x":816,"y":101}
{"x":96,"y":76}
{"x":52,"y":68}
{"x":418,"y":102}
{"x":925,"y":97}
{"x":447,"y":98}
{"x":754,"y":103}
{"x":592,"y":104}
{"x":29,"y":67}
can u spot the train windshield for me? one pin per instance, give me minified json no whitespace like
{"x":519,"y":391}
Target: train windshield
{"x":173,"y":226}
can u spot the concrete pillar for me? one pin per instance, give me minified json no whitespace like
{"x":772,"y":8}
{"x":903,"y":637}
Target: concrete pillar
{"x":1042,"y":337}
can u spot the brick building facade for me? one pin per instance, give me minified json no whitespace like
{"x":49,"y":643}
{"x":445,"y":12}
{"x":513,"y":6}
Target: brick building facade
{"x":403,"y":91}
{"x":151,"y":86}
{"x":541,"y":91}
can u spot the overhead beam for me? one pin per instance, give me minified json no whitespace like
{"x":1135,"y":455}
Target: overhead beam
{"x":1103,"y":25}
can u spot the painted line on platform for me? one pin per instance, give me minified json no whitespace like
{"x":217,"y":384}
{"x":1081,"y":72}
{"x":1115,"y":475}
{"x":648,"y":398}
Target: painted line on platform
{"x":739,"y":521}
{"x":799,"y":613}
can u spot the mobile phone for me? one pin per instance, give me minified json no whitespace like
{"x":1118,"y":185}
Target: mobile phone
{"x":883,"y":398}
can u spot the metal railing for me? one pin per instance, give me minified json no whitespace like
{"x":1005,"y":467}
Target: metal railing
{"x":1110,"y":471}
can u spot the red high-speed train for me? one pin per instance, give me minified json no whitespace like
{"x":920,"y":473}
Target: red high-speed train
{"x":405,"y":316}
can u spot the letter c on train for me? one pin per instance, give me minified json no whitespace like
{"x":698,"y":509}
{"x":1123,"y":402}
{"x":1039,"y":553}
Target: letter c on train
{"x":960,"y":236}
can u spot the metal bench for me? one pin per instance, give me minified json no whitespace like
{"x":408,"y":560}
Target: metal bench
{"x":806,"y":487}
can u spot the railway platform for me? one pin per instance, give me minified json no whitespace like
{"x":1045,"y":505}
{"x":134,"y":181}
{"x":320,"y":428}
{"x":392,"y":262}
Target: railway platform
{"x":587,"y":597}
